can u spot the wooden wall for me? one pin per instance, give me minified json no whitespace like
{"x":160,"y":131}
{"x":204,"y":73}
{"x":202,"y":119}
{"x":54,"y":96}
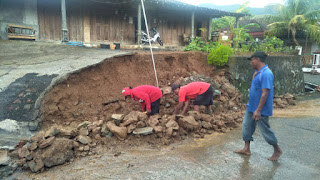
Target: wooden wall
{"x":172,"y":26}
{"x":75,"y":20}
{"x":96,"y":22}
{"x":111,"y":28}
{"x":49,"y":16}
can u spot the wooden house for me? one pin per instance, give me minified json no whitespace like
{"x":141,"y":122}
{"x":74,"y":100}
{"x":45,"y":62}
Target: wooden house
{"x":119,"y":21}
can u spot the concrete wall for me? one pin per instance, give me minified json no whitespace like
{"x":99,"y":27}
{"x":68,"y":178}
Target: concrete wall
{"x":21,"y":12}
{"x":287,"y":70}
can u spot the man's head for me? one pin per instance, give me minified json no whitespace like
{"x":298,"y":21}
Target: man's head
{"x":175,"y":88}
{"x":257,"y":59}
{"x":126,"y":92}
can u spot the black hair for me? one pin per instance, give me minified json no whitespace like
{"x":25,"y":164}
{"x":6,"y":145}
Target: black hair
{"x":130,"y":87}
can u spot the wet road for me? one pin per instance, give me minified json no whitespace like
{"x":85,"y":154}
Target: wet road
{"x":211,"y":157}
{"x":314,"y":79}
{"x":27,"y":71}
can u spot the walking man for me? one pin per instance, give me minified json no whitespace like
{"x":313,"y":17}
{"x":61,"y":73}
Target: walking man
{"x":201,"y":92}
{"x":260,"y":106}
{"x":148,"y":96}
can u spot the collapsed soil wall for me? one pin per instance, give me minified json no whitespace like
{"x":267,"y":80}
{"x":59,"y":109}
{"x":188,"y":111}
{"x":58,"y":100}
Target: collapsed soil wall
{"x":80,"y":97}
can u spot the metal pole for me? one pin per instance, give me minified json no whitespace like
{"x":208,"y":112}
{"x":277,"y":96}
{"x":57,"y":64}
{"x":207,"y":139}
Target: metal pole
{"x":192,"y":25}
{"x":145,"y":20}
{"x":64,"y":22}
{"x":210,"y":28}
{"x":139,"y":24}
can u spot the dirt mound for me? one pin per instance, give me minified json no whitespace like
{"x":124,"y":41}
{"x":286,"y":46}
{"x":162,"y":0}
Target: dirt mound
{"x":81,"y":97}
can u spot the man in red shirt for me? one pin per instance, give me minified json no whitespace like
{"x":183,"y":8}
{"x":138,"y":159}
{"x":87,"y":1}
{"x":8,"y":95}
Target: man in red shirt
{"x":201,"y":92}
{"x":148,"y":96}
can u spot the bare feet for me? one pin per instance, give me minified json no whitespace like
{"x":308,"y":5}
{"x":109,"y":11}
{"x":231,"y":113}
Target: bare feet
{"x":243,"y":151}
{"x":275,"y":156}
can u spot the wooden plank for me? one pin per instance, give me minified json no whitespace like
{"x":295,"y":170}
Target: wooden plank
{"x":86,"y":28}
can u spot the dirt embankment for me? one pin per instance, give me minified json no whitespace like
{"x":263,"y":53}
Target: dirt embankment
{"x":81,"y":96}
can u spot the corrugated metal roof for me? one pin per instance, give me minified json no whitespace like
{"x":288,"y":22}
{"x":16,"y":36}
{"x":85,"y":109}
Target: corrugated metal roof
{"x":202,"y":10}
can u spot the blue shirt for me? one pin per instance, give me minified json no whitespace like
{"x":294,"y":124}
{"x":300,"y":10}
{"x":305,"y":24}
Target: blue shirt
{"x":263,"y":80}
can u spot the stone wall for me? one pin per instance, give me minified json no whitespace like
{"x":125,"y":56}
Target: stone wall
{"x":287,"y":70}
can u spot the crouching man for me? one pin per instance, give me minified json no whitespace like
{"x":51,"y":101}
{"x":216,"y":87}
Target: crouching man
{"x":201,"y":92}
{"x":148,"y":96}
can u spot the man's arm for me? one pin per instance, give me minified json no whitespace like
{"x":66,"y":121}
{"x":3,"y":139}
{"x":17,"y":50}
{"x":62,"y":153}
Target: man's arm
{"x":263,"y":99}
{"x":145,"y":100}
{"x":178,"y":108}
{"x":186,"y":104}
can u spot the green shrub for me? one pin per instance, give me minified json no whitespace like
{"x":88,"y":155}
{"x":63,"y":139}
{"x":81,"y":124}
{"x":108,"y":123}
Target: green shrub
{"x":195,"y":45}
{"x":219,"y":56}
{"x":198,"y":45}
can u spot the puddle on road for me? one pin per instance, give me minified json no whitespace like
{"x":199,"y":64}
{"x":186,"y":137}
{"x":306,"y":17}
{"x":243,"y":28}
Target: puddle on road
{"x":302,"y":109}
{"x":189,"y":146}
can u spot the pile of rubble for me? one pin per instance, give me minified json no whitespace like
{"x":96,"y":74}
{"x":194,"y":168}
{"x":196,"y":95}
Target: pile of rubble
{"x":284,"y":101}
{"x":58,"y":145}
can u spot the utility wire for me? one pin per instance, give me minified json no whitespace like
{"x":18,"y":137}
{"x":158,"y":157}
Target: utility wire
{"x":145,"y":20}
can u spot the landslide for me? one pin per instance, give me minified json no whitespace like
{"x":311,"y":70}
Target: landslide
{"x":81,"y":96}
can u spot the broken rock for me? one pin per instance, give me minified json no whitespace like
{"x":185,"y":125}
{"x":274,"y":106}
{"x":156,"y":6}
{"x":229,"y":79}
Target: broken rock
{"x":52,"y":132}
{"x":21,"y":162}
{"x":24,"y":152}
{"x":134,"y":116}
{"x":120,"y":132}
{"x":188,"y":123}
{"x":173,"y":124}
{"x":84,"y":139}
{"x":83,"y":124}
{"x":206,"y":117}
{"x":84,"y":131}
{"x":58,"y":153}
{"x":131,"y":127}
{"x":38,"y":165}
{"x":143,"y":131}
{"x":98,"y":123}
{"x":33,"y":146}
{"x":141,"y":124}
{"x":96,"y":131}
{"x":288,"y":96}
{"x":46,"y":142}
{"x":195,"y":114}
{"x":118,"y":117}
{"x":169,"y":132}
{"x":153,"y":120}
{"x":158,"y":129}
{"x":206,"y":125}
{"x":67,"y":133}
{"x":4,"y":158}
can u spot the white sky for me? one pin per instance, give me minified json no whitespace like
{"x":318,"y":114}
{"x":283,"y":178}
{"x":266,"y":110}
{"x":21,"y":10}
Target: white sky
{"x":253,"y":3}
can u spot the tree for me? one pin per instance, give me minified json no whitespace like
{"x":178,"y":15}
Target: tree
{"x":239,"y":34}
{"x":229,"y":21}
{"x":296,"y":15}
